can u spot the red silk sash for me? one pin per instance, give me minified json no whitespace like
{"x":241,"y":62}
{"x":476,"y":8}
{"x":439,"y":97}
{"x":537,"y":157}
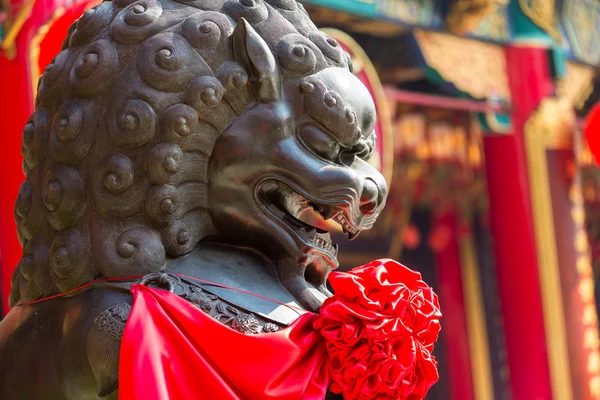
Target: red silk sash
{"x":171,"y":350}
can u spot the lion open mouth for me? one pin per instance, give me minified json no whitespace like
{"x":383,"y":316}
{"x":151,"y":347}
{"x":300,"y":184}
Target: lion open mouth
{"x":308,"y":218}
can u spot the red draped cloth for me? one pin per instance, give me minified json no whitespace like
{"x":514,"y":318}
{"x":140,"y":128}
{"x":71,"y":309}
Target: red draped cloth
{"x":171,"y":350}
{"x":373,"y":340}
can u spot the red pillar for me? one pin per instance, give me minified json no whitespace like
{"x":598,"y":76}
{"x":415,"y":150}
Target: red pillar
{"x":512,"y":228}
{"x":452,"y":303}
{"x":16,"y":105}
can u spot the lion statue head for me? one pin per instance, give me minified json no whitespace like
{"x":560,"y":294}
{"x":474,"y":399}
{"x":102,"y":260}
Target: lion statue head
{"x":164,"y":123}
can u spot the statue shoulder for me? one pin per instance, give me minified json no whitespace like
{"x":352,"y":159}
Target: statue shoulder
{"x":70,"y":344}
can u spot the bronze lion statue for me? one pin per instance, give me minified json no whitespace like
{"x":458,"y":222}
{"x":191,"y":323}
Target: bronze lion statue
{"x":181,"y":137}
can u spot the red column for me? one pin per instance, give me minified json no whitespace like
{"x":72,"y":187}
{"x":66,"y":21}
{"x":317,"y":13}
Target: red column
{"x":512,"y":228}
{"x":16,"y":105}
{"x":452,"y":303}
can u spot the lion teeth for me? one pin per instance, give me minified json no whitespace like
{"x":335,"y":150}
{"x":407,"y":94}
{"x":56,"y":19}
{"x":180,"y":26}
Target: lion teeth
{"x":346,"y":226}
{"x":324,"y":244}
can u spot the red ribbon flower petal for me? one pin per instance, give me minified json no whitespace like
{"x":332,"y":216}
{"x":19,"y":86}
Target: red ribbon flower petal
{"x":380,"y":328}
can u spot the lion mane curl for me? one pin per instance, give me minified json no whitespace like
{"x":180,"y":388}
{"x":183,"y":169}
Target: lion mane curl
{"x":126,"y":118}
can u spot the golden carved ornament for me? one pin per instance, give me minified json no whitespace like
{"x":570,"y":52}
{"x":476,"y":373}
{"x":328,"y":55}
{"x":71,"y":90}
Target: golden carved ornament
{"x":577,"y":84}
{"x":550,"y":127}
{"x":555,"y":117}
{"x":543,"y":14}
{"x":466,"y":15}
{"x":474,"y":67}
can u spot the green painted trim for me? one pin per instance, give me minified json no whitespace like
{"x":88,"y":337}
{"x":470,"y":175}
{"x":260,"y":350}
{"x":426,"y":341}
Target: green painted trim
{"x":432,"y":75}
{"x":365,"y":8}
{"x":499,"y":124}
{"x":494,"y":123}
{"x":524,"y":29}
{"x":412,"y":13}
{"x":558,"y":61}
{"x":403,"y":12}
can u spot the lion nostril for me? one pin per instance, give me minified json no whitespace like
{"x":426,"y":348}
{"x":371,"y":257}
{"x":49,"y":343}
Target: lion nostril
{"x":368,"y":208}
{"x":369,"y":197}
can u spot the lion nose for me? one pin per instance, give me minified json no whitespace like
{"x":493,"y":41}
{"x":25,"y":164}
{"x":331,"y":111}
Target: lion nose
{"x":369,"y":199}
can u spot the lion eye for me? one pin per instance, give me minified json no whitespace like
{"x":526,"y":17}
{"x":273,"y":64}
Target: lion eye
{"x":320,"y":142}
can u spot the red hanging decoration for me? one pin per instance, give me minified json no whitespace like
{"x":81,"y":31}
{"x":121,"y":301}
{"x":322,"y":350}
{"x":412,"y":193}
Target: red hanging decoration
{"x":411,"y":237}
{"x":380,"y":328}
{"x":592,"y":131}
{"x":439,"y":238}
{"x":372,"y":339}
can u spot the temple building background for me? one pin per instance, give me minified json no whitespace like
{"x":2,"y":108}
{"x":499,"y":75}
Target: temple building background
{"x":494,"y":196}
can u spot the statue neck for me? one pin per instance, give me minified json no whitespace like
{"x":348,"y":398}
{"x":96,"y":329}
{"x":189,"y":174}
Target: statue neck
{"x":242,"y":269}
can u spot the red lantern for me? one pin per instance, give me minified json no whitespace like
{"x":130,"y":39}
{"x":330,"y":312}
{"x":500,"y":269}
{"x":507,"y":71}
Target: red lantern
{"x":439,"y":238}
{"x":592,"y":131}
{"x":411,"y":237}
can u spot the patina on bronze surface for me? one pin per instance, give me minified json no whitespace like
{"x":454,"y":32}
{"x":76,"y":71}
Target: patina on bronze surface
{"x":181,"y":137}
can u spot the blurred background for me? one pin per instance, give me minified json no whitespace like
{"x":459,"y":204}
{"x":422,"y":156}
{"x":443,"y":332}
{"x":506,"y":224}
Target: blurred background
{"x":487,"y":133}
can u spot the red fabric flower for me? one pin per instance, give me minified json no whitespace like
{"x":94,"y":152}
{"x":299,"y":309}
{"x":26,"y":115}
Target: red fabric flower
{"x":380,"y":328}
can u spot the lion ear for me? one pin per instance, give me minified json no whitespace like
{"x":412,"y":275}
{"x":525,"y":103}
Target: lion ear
{"x":254,"y":54}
